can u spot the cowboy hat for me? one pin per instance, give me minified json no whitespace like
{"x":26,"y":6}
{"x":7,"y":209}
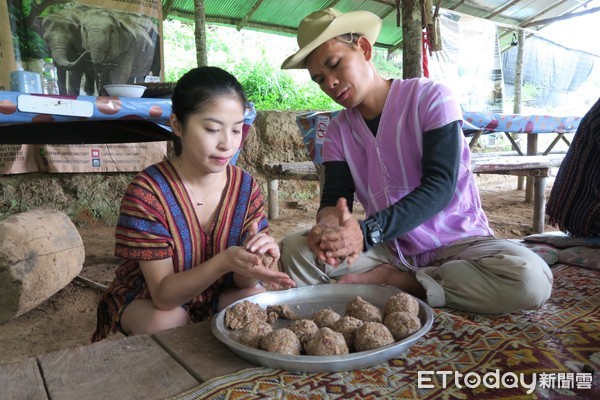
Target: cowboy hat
{"x":320,"y":26}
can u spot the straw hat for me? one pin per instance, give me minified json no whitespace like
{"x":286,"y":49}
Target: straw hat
{"x":320,"y":26}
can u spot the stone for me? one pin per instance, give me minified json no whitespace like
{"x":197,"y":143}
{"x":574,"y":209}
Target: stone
{"x":41,"y":252}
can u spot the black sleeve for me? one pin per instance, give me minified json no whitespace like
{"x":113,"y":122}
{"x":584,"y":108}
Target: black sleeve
{"x":338,"y":183}
{"x":440,"y":165}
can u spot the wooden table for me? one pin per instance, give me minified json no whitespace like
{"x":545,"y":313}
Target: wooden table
{"x":535,"y":167}
{"x":138,"y":367}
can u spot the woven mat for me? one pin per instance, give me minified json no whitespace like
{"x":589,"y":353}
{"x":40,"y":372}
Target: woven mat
{"x":558,"y":345}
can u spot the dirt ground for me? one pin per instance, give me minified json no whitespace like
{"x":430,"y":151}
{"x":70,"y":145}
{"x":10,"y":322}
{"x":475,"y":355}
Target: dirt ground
{"x":68,"y":318}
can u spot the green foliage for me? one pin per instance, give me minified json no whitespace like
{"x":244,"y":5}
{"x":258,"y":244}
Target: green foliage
{"x":246,"y":57}
{"x":270,"y":88}
{"x":387,"y":69}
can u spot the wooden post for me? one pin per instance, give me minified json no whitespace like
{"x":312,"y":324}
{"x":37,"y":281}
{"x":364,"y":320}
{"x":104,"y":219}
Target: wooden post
{"x":200,"y":33}
{"x":412,"y":36}
{"x":518,"y":90}
{"x":519,"y":74}
{"x":273,"y":193}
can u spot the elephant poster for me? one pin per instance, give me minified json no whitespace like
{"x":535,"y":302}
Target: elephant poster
{"x":7,"y":55}
{"x":92,"y":42}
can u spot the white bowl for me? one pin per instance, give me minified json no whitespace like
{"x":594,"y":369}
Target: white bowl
{"x":122,"y":90}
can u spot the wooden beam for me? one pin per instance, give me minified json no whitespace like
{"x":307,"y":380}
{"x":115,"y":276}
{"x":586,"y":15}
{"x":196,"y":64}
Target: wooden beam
{"x":502,"y":9}
{"x":387,"y":13}
{"x":332,"y":3}
{"x":542,"y":12}
{"x":455,"y":6}
{"x":396,"y":46}
{"x":390,"y":3}
{"x":166,"y":10}
{"x":249,"y":15}
{"x":562,"y":17}
{"x":258,"y":26}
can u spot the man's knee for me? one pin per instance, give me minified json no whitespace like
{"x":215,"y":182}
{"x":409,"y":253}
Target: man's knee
{"x":292,"y":246}
{"x":299,"y":262}
{"x":536,"y":284}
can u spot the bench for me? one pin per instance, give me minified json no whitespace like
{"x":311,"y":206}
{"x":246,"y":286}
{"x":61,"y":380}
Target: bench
{"x":537,"y":167}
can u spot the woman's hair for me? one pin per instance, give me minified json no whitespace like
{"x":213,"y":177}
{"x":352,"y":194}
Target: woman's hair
{"x":198,"y":87}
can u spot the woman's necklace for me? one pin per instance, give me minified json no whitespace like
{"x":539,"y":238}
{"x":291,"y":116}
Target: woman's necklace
{"x":189,"y":188}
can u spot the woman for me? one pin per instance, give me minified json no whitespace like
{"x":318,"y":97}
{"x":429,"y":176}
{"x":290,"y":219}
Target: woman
{"x":191,"y":230}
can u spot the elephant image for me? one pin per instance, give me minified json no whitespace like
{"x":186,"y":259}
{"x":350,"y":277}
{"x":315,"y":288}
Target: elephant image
{"x":120,"y":45}
{"x":61,"y":32}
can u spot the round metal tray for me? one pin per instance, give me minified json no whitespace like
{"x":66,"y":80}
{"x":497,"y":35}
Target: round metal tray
{"x":304,"y":301}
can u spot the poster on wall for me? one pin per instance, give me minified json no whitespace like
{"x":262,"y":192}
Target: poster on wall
{"x":7,"y":55}
{"x":92,"y":42}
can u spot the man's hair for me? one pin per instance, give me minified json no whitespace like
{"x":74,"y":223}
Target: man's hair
{"x":349,"y":39}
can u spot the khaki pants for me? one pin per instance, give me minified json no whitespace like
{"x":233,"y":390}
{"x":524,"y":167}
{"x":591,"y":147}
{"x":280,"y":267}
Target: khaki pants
{"x":483,"y":275}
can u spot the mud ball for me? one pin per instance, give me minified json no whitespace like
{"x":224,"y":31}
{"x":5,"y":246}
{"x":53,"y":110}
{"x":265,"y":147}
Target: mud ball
{"x":363,"y":310}
{"x":305,"y":329}
{"x":372,"y":335}
{"x":327,"y":343}
{"x":282,"y":341}
{"x":281,"y":311}
{"x":347,"y":326}
{"x":402,"y":324}
{"x":252,"y":333}
{"x":240,"y":314}
{"x":401,"y":302}
{"x":325,"y":318}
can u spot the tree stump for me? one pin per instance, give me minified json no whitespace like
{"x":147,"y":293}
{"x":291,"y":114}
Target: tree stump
{"x":41,"y":251}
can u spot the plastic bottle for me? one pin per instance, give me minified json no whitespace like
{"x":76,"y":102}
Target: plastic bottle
{"x":49,"y":77}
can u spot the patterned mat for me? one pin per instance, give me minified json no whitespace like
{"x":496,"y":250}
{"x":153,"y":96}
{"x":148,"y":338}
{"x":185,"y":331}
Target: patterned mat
{"x":550,"y":353}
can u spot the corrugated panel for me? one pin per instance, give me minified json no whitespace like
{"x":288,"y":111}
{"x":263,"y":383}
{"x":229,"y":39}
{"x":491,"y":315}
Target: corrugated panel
{"x":286,"y":13}
{"x":283,"y":16}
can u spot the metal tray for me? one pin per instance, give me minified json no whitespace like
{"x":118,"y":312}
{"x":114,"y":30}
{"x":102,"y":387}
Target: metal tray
{"x":304,"y":301}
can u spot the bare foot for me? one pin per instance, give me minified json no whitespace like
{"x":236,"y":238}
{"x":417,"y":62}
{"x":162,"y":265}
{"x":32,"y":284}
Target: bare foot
{"x":386,"y":274}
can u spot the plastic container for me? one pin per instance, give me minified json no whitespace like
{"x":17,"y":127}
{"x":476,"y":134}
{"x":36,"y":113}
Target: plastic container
{"x":25,"y":82}
{"x":49,"y":77}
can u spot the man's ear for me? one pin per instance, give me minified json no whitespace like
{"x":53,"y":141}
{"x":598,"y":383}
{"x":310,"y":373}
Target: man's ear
{"x":366,"y":47}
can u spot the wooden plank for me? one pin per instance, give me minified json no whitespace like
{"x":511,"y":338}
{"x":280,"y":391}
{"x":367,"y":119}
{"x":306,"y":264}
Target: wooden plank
{"x":22,"y":380}
{"x":200,"y":352}
{"x":524,"y":165}
{"x":294,"y":170}
{"x":537,"y":167}
{"x":131,"y":368}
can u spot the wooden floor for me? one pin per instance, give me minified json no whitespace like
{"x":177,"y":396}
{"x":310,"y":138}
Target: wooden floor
{"x":139,"y":367}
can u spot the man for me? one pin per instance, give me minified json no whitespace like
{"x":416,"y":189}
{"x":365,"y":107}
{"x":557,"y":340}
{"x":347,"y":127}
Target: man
{"x":399,"y":148}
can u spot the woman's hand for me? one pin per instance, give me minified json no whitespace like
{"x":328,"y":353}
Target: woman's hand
{"x":257,"y":261}
{"x":248,"y":269}
{"x":263,"y":245}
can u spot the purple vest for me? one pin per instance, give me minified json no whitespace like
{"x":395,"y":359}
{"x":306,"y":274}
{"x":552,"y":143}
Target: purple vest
{"x":388,"y":167}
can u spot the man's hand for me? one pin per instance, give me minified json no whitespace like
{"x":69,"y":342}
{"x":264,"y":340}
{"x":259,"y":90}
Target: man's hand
{"x":341,"y":243}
